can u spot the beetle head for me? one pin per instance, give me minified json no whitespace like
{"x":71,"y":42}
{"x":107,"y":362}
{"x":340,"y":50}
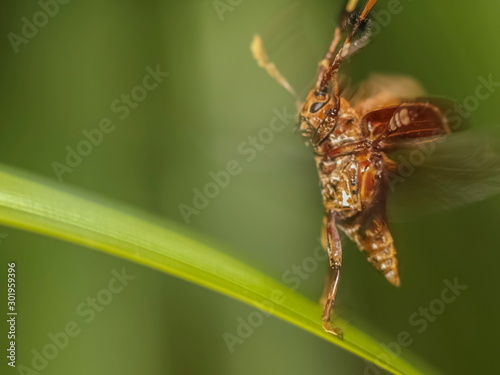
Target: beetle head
{"x":325,"y":116}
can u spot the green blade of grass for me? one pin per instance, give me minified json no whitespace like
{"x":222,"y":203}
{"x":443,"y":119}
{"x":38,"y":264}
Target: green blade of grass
{"x":32,"y":204}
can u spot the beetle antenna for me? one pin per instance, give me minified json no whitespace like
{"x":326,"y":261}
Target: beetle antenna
{"x":344,"y":51}
{"x":260,"y":55}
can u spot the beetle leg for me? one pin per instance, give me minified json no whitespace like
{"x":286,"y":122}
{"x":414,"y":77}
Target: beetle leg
{"x":331,"y":241}
{"x":337,"y":34}
{"x":324,"y":64}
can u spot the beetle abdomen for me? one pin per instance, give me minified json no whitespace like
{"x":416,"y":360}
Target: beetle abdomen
{"x":375,"y":240}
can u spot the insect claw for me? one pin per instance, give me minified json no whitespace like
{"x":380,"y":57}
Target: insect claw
{"x":336,"y":331}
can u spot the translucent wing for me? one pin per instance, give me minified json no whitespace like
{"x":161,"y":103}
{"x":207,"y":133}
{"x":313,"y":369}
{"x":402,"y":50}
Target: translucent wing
{"x":446,"y":173}
{"x":383,"y":90}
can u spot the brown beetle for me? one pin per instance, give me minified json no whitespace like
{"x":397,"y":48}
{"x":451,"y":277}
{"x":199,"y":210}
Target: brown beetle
{"x":351,"y":139}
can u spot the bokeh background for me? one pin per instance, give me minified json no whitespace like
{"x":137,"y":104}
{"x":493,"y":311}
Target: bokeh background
{"x":90,"y":53}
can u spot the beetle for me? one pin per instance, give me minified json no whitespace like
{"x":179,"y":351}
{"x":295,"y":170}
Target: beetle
{"x":351,"y":138}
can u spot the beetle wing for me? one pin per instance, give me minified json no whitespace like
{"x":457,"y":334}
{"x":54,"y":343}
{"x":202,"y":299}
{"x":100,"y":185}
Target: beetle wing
{"x":404,"y":125}
{"x":447,"y":173}
{"x":381,"y":91}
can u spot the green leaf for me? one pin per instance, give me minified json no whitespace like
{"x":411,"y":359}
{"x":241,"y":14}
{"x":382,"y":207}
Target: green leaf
{"x":40,"y":206}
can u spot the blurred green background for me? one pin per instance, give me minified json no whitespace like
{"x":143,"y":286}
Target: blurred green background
{"x":64,"y":79}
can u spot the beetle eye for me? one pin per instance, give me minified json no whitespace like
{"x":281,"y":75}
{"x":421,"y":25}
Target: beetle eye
{"x":315,"y":107}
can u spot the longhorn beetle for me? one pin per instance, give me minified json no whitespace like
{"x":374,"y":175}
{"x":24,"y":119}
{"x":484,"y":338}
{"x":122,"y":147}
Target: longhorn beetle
{"x":351,"y":137}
